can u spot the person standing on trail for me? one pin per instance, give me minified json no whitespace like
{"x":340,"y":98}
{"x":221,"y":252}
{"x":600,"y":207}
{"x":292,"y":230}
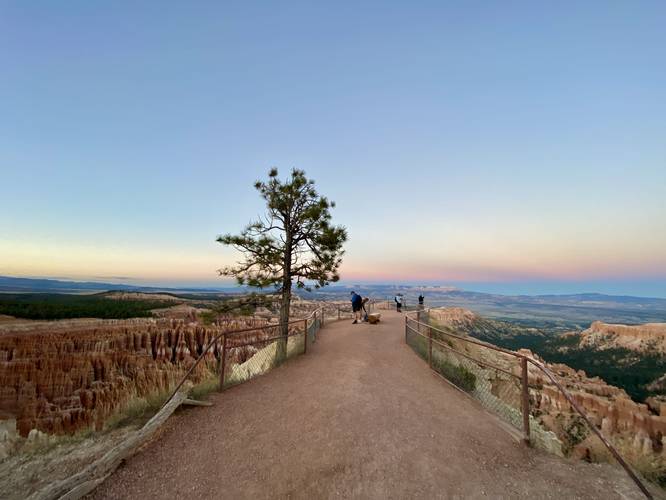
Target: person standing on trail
{"x":357,"y":305}
{"x":365,"y":311}
{"x":421,"y":299}
{"x":398,"y":302}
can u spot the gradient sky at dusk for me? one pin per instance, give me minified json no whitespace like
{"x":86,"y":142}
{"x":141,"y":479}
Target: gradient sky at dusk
{"x":516,"y":146}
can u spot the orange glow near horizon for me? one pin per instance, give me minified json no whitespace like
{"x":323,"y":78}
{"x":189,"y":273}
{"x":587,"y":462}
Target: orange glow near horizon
{"x":446,"y":164}
{"x":463,"y":264}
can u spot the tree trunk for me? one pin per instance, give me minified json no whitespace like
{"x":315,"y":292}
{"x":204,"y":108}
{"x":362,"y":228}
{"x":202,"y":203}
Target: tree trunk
{"x":281,"y":353}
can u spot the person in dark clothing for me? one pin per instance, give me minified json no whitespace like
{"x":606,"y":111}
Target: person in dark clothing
{"x":398,"y":302}
{"x":365,"y":311}
{"x":357,"y":305}
{"x":421,"y":299}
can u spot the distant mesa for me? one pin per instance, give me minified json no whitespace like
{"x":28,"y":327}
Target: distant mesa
{"x":650,"y":337}
{"x":461,"y":320}
{"x":142,"y":296}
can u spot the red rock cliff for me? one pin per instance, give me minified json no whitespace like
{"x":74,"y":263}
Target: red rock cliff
{"x":62,"y":376}
{"x":650,"y":336}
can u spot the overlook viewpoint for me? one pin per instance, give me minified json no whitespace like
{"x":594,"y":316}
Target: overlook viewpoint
{"x":360,"y":416}
{"x":322,"y":250}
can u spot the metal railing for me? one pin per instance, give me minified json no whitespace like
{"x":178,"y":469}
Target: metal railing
{"x":245,"y":353}
{"x":390,"y":305}
{"x":500,"y":380}
{"x":248,"y":352}
{"x":343,"y":309}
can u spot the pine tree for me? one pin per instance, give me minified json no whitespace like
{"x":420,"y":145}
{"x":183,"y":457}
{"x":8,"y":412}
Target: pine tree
{"x":294,"y":243}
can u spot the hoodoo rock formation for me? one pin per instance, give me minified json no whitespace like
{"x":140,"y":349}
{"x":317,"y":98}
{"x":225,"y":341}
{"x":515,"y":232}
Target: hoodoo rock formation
{"x":636,"y":428}
{"x":62,"y":376}
{"x":641,"y":338}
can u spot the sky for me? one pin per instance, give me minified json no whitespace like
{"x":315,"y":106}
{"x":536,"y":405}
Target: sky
{"x":512,"y":146}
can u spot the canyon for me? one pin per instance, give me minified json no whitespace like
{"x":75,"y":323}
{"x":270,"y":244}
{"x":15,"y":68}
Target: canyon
{"x":62,"y":376}
{"x":632,"y":357}
{"x":638,"y":429}
{"x":70,"y":390}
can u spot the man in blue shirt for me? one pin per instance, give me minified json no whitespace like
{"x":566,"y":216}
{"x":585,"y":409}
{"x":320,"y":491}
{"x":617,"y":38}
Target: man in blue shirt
{"x":357,"y":305}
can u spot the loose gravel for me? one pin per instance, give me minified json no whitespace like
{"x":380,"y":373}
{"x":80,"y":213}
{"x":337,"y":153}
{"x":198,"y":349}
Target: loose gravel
{"x":359,"y":416}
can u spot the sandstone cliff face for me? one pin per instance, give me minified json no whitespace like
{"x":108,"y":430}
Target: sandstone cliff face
{"x":62,"y":376}
{"x":456,"y":317}
{"x":462,"y":321}
{"x":635,"y":428}
{"x":642,"y":338}
{"x":659,"y":385}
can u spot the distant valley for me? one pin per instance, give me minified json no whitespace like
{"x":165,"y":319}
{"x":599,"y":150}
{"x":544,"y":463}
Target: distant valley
{"x":554,"y":312}
{"x":558,"y":312}
{"x":585,"y":331}
{"x":630,"y":357}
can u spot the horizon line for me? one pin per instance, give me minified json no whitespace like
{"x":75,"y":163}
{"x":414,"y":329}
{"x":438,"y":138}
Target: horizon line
{"x":453,"y":286}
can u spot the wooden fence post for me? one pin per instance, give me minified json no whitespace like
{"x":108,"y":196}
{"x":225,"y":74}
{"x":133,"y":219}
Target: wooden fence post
{"x":305,"y":331}
{"x":525,"y":401}
{"x":430,"y":347}
{"x":223,"y":359}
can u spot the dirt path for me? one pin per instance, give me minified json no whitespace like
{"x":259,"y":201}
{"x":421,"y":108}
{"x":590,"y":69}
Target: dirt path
{"x":359,"y":416}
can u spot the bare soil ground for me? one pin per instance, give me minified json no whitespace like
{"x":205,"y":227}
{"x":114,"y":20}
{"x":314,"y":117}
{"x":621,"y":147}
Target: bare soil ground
{"x":359,"y":416}
{"x":28,"y":471}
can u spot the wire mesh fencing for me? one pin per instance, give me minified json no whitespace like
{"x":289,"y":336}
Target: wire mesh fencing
{"x":255,"y":353}
{"x":578,"y":425}
{"x":495,"y":383}
{"x":522,"y":392}
{"x":248,"y":353}
{"x":313,"y":327}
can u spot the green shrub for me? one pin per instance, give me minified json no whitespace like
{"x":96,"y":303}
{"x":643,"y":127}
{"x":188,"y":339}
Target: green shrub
{"x":138,"y":410}
{"x":204,"y":388}
{"x":457,"y":374}
{"x":419,"y":345}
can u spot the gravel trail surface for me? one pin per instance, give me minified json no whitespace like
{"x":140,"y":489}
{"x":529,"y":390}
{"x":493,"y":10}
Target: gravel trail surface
{"x":359,"y":416}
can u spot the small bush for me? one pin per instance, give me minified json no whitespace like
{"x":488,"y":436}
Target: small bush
{"x":137,"y":411}
{"x":419,"y":345}
{"x":204,"y":388}
{"x":457,"y":374}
